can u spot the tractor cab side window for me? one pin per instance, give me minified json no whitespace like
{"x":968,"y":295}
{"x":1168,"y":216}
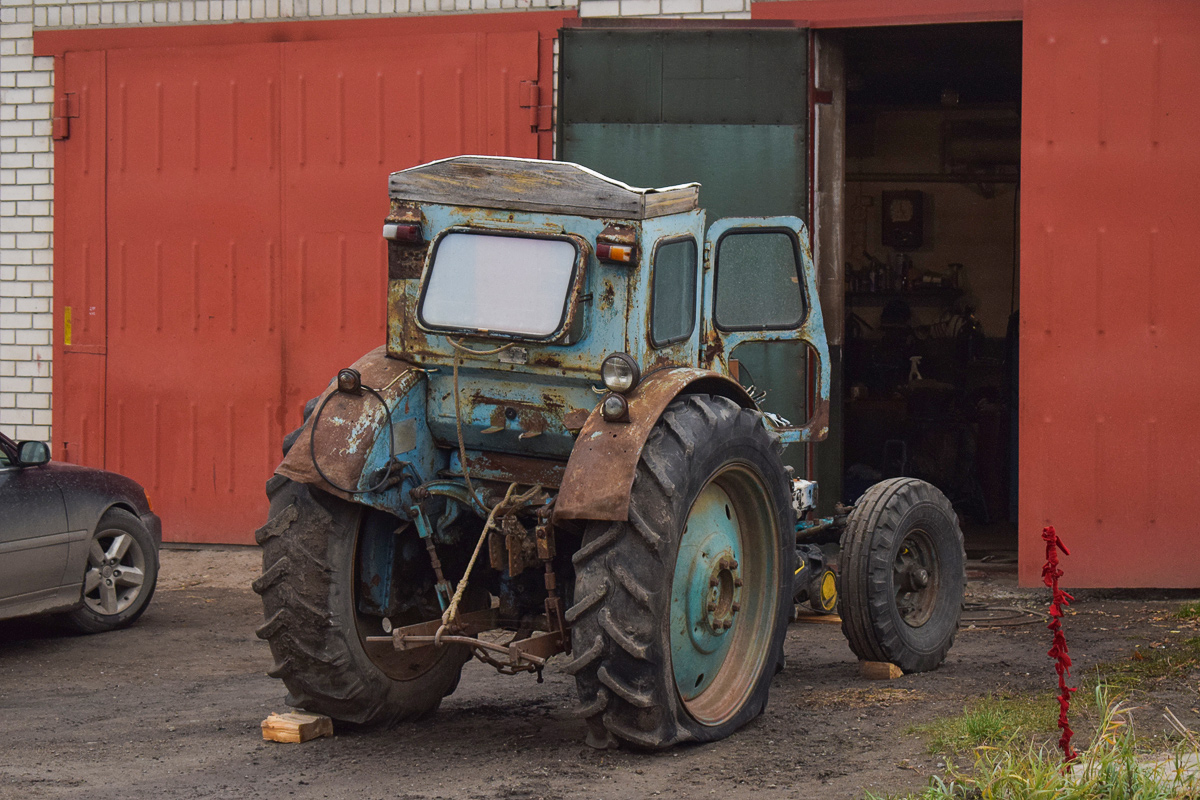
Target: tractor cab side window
{"x":673,"y":291}
{"x":758,"y":281}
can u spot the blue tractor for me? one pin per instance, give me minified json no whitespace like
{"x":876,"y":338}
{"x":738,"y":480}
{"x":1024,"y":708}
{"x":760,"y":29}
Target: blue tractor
{"x":553,"y":454}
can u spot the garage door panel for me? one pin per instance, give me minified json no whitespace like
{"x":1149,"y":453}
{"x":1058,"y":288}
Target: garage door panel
{"x":1108,"y":431}
{"x":195,"y":343}
{"x":80,"y":267}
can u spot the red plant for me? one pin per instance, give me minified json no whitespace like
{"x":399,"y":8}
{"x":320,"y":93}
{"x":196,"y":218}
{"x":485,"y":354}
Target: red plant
{"x":1058,"y":649}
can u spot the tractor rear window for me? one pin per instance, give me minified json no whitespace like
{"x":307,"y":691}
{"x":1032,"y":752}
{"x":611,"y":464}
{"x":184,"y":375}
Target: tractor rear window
{"x":492,"y":283}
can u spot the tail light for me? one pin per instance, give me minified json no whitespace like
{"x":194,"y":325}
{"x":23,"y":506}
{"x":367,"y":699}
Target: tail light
{"x":403,"y":223}
{"x":617,"y":244}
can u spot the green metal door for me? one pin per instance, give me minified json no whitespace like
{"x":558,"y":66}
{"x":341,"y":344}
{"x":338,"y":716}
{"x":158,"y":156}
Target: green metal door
{"x":727,"y":107}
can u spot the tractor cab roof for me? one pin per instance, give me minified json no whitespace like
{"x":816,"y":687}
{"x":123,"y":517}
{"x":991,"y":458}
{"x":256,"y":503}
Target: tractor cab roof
{"x":527,"y":184}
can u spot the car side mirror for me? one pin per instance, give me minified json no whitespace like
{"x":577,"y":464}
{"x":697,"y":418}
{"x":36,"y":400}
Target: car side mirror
{"x":32,"y":454}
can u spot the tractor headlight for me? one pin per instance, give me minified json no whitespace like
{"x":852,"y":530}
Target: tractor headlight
{"x":349,"y":381}
{"x":620,"y":373}
{"x":614,"y":408}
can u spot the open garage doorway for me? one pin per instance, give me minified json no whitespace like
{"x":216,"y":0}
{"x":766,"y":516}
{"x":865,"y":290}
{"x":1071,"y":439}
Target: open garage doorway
{"x":930,"y":248}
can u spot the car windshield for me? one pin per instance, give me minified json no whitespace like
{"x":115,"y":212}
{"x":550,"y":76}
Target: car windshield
{"x":499,"y":284}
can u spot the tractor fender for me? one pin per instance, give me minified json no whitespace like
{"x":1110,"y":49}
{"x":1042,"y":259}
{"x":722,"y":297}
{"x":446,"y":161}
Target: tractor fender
{"x":351,"y":441}
{"x":600,"y":471}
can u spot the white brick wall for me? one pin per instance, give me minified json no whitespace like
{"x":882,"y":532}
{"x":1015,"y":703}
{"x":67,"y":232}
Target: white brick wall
{"x":27,"y":160}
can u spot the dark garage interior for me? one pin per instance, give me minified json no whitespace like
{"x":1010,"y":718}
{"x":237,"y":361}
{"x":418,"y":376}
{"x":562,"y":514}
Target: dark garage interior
{"x":931,"y":245}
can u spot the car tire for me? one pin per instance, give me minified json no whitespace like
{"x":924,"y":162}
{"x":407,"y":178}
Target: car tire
{"x":122,"y":571}
{"x":681,"y":611}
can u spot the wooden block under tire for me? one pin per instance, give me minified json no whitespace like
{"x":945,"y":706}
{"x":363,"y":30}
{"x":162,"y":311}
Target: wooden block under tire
{"x":296,"y":726}
{"x":879,"y":670}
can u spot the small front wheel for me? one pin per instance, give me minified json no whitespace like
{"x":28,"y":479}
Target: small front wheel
{"x":903,"y":575}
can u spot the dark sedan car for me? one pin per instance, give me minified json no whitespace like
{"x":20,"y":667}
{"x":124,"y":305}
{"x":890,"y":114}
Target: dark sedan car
{"x":73,"y":539}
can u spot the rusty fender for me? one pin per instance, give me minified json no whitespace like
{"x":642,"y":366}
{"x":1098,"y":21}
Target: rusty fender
{"x":602,"y":466}
{"x":349,"y":425}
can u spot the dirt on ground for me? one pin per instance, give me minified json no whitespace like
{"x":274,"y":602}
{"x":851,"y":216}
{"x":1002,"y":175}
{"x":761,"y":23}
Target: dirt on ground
{"x":172,"y":707}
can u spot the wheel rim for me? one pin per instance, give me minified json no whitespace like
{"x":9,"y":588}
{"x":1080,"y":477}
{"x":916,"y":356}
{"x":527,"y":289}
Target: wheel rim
{"x":116,"y":572}
{"x":916,"y":578}
{"x":399,"y":665}
{"x":724,"y":595}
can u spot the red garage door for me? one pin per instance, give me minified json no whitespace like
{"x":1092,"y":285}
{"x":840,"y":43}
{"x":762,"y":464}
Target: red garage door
{"x":218,"y":247}
{"x":1110,"y":440}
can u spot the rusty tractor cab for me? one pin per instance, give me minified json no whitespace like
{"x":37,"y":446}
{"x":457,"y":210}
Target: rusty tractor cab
{"x":552,"y":455}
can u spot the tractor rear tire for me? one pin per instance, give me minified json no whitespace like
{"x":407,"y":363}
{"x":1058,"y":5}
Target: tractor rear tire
{"x":681,"y":611}
{"x":903,"y":575}
{"x":312,"y":623}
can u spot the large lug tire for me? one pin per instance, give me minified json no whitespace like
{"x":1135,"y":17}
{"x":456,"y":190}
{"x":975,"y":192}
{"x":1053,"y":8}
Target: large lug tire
{"x":903,"y":575}
{"x":313,"y":626}
{"x":122,"y":571}
{"x":680,"y":613}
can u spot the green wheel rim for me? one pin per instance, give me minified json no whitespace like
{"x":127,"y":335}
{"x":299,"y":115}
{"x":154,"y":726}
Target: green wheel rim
{"x":724,"y":595}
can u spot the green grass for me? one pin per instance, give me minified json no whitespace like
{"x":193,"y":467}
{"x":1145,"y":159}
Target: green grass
{"x":1111,"y":767}
{"x":1189,"y":610}
{"x":1146,"y":667}
{"x":992,"y":721}
{"x":1007,"y":720}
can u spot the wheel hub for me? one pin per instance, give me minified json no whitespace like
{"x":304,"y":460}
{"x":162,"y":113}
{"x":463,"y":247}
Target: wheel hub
{"x":916,"y":579}
{"x":725,"y":583}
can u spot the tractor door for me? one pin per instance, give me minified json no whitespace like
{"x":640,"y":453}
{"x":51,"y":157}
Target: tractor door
{"x":763,"y":321}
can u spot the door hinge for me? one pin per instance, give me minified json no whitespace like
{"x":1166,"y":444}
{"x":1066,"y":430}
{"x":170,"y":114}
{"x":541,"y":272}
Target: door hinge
{"x":66,"y":108}
{"x":540,"y":116}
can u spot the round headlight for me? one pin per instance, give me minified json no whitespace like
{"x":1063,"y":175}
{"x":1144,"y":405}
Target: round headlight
{"x":620,"y":373}
{"x":614,"y":408}
{"x":349,"y":381}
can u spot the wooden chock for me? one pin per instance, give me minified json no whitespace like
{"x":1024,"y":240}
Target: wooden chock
{"x":879,"y":670}
{"x":296,"y":727}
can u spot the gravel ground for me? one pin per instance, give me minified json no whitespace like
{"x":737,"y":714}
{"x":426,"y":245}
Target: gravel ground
{"x":171,"y":709}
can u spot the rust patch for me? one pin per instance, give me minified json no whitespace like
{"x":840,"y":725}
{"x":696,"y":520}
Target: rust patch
{"x":602,"y":466}
{"x":349,"y":424}
{"x":608,"y":295}
{"x":546,"y":360}
{"x":663,"y":361}
{"x":520,"y":469}
{"x":554,"y":404}
{"x":713,"y":348}
{"x":574,"y":420}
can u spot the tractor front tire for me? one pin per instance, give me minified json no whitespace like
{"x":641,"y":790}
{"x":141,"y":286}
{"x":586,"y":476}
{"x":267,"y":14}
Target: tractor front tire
{"x":903,"y":575}
{"x":310,"y":545}
{"x":681,"y":611}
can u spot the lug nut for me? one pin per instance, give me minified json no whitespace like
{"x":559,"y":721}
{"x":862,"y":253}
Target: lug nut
{"x":714,"y":581}
{"x":736,"y":607}
{"x":737,"y":582}
{"x":712,"y":607}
